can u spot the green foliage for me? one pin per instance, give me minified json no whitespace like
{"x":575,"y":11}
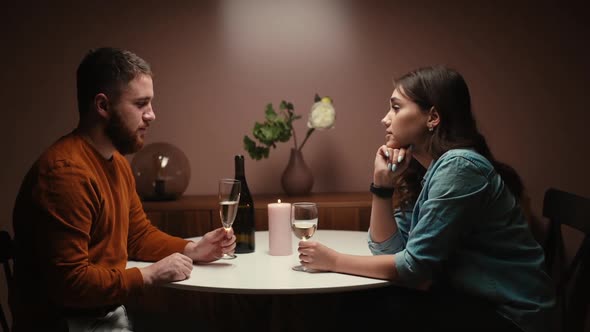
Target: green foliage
{"x":277,"y":127}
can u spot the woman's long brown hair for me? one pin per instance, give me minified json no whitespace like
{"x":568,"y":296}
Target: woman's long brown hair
{"x":446,"y":90}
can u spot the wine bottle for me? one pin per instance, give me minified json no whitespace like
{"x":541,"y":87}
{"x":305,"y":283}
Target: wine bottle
{"x":243,"y":226}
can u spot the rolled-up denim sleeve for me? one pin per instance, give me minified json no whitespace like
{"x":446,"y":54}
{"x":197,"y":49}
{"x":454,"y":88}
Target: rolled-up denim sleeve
{"x":455,"y":190}
{"x":390,"y":246}
{"x":397,"y":241}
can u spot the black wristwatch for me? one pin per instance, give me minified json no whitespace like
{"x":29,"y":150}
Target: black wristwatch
{"x":381,"y":191}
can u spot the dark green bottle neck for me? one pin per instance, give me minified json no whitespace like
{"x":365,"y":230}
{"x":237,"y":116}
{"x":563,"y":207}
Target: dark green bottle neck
{"x":239,"y":165}
{"x":241,"y":175}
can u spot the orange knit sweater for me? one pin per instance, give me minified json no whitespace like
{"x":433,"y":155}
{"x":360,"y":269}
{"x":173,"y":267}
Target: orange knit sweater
{"x":77,"y":219}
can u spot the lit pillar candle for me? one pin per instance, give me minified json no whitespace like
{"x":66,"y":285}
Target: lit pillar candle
{"x":279,"y":229}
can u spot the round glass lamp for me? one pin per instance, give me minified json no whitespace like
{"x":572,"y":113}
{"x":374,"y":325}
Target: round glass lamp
{"x":161,"y":172}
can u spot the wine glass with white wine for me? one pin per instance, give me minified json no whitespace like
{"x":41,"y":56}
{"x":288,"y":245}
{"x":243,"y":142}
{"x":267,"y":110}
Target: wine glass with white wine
{"x":229,"y":196}
{"x":304,"y":222}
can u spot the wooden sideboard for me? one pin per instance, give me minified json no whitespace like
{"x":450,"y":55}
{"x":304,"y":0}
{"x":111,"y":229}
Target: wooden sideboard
{"x":194,"y":215}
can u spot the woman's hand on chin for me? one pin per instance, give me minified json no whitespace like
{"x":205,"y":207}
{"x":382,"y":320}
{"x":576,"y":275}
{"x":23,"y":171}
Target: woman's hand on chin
{"x":389,"y":164}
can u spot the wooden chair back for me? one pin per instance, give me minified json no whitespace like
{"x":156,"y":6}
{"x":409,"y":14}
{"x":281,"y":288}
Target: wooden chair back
{"x":572,"y":277}
{"x":6,"y":259}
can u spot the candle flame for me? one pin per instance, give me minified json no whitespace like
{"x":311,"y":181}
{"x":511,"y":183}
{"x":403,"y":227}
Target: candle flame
{"x":278,"y":201}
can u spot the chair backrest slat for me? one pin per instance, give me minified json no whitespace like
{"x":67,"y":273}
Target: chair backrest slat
{"x":569,"y":209}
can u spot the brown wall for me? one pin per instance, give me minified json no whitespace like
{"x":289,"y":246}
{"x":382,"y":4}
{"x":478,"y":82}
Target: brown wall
{"x":218,"y":63}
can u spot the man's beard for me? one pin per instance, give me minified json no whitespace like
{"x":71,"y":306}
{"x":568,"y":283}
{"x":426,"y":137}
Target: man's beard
{"x":123,"y":138}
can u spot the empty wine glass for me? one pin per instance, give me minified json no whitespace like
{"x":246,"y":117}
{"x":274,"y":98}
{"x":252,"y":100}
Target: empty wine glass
{"x":304,"y":222}
{"x":229,"y":196}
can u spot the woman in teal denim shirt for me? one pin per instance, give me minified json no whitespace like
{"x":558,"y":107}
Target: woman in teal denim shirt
{"x":466,"y":234}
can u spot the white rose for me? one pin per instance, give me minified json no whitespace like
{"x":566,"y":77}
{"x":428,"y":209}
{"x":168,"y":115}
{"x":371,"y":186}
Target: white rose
{"x":323,"y":114}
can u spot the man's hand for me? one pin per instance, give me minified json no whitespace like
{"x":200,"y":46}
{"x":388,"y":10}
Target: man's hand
{"x":172,"y":268}
{"x":212,"y":246}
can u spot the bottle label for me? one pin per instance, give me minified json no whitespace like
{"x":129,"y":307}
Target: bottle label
{"x":245,"y":243}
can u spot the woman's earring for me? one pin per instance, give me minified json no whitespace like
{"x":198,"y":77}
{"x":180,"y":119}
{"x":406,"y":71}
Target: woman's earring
{"x":430,"y":128}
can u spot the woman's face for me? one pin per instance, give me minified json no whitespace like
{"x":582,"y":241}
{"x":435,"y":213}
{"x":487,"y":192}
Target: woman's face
{"x":405,"y":122}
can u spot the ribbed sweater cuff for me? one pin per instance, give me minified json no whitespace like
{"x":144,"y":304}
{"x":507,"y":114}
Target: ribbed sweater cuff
{"x":134,"y":281}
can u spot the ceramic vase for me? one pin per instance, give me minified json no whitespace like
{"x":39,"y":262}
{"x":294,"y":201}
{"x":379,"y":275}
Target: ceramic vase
{"x":297,"y":179}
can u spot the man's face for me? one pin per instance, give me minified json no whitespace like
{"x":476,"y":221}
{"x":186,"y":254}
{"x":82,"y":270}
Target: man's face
{"x":131,"y":115}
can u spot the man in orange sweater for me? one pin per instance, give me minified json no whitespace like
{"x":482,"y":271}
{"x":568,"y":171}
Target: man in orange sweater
{"x":78,"y":218}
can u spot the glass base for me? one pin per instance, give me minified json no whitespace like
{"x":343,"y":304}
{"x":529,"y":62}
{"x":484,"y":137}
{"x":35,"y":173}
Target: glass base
{"x":228,"y":256}
{"x":300,"y":268}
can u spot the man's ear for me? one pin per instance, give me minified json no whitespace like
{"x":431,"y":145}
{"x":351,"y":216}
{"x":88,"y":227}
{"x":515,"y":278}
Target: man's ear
{"x":102,"y":105}
{"x":433,"y":118}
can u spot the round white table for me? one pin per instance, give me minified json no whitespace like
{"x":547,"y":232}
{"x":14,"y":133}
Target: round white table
{"x":257,"y":291}
{"x":261,"y":273}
